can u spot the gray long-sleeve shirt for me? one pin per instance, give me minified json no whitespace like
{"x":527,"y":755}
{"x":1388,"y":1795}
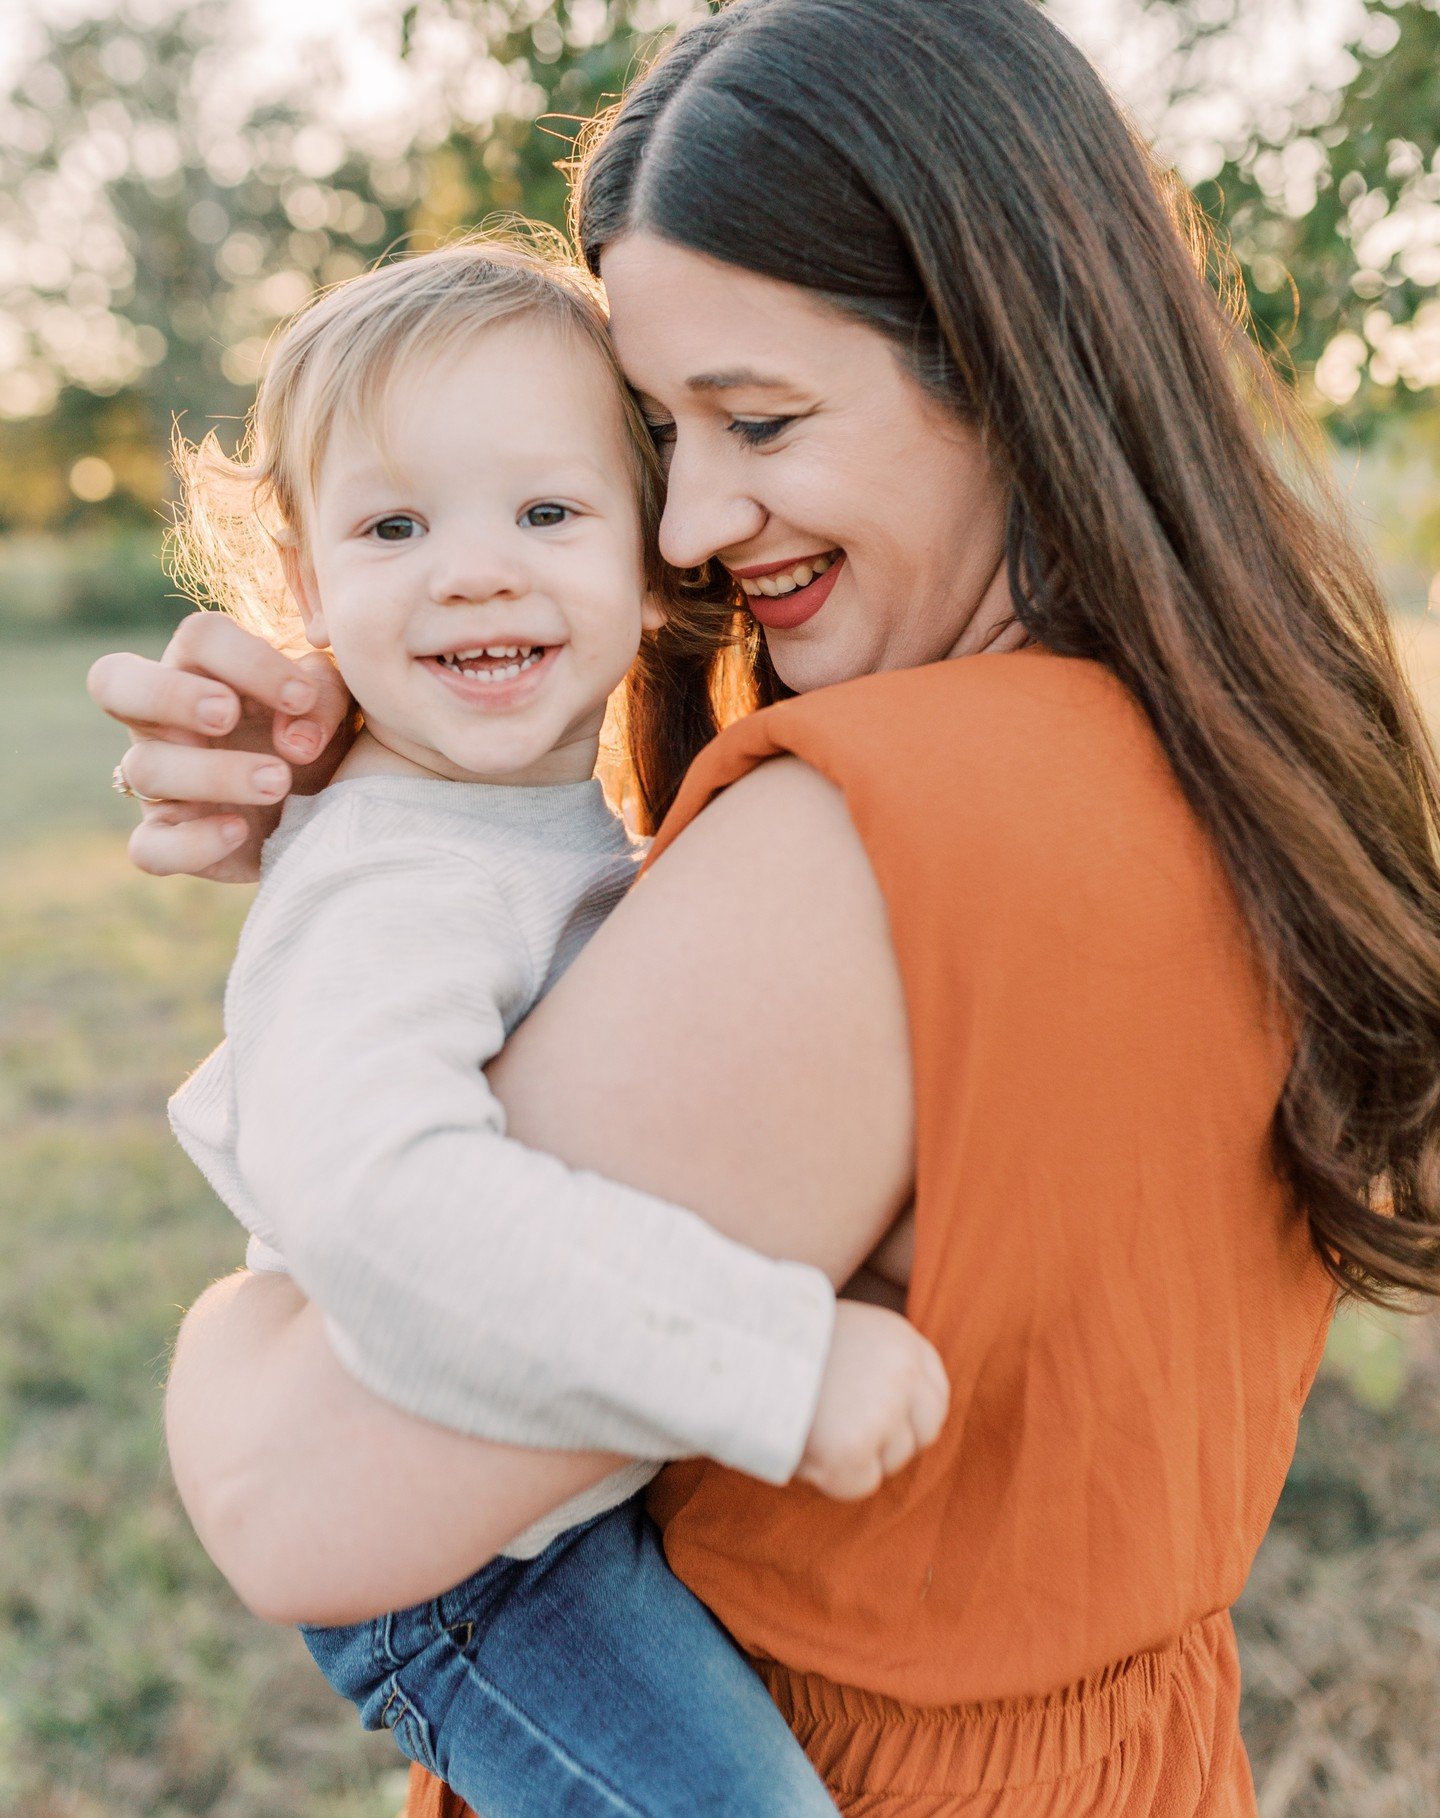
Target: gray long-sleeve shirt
{"x":401,"y":929}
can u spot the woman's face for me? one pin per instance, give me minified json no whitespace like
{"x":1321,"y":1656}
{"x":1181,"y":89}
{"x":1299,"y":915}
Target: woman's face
{"x":864,"y":521}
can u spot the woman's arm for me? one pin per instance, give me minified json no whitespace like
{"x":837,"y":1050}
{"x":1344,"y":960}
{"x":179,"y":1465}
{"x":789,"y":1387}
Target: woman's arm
{"x":307,"y":1536}
{"x":734,"y":1039}
{"x":735,"y":1036}
{"x":465,"y":1277}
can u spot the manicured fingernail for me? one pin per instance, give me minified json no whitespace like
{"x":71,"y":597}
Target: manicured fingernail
{"x":270,"y":778}
{"x":215,"y":713}
{"x":295,"y":697}
{"x":304,"y":736}
{"x":232,"y":832}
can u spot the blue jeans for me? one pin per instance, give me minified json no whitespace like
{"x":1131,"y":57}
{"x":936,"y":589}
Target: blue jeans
{"x":586,"y":1683}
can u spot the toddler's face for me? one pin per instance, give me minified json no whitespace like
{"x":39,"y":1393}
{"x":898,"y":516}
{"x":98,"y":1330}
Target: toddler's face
{"x":478,"y":569}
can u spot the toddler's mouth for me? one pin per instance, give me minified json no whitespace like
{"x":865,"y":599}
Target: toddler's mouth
{"x":491,"y":662}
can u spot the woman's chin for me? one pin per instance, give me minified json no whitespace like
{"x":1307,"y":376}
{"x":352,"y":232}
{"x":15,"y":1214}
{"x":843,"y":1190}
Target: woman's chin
{"x":804,"y":664}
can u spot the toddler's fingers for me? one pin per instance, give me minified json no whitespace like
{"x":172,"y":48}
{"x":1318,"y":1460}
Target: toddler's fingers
{"x":863,"y":1477}
{"x":844,"y":1480}
{"x":934,"y":1365}
{"x":928,"y":1409}
{"x":898,"y":1448}
{"x":934,"y":1375}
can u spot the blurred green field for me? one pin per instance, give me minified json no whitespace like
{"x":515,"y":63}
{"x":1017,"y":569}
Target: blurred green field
{"x":131,"y":1683}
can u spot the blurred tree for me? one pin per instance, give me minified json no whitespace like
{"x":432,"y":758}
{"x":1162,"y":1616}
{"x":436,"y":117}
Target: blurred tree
{"x":153,"y":245}
{"x":1333,"y":213}
{"x":1331,"y":207}
{"x":150,"y":246}
{"x":152,"y":233}
{"x":560,"y":61}
{"x":151,"y":237}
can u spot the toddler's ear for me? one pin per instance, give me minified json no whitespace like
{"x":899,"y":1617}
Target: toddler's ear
{"x":300,"y":579}
{"x":652,"y":612}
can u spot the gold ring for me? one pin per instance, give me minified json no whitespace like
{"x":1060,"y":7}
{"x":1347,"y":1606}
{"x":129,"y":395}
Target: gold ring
{"x":122,"y":785}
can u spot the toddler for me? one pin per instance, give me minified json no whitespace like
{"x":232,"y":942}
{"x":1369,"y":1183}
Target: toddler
{"x":450,"y":485}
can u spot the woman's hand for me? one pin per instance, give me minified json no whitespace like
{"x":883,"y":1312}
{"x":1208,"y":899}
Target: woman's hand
{"x":224,"y":728}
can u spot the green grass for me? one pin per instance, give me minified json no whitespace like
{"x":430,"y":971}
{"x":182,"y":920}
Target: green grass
{"x":56,"y":751}
{"x":132,"y":1685}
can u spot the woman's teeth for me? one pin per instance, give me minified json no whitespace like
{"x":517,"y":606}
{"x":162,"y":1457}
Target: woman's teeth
{"x":788,"y":579}
{"x":501,"y":661}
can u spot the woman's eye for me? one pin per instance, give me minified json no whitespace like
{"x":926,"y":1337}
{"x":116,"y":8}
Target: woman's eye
{"x":662,"y":430}
{"x":546,"y":516}
{"x":758,"y":430}
{"x":400,"y":528}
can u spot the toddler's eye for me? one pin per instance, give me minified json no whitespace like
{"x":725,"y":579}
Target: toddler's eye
{"x":399,"y":528}
{"x":546,"y":516}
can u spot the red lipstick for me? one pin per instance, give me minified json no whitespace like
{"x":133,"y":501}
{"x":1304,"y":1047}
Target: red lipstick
{"x":785,"y":611}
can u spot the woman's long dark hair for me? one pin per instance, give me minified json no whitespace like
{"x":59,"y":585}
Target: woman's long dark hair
{"x":954,"y":173}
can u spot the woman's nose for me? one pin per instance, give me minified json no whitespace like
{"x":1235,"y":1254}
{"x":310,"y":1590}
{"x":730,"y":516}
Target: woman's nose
{"x":706,"y":510}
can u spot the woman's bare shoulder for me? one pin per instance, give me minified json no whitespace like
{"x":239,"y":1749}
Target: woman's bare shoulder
{"x":735,"y":1038}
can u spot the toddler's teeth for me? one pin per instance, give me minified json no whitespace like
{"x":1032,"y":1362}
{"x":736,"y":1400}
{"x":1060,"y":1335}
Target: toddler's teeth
{"x":502,"y":661}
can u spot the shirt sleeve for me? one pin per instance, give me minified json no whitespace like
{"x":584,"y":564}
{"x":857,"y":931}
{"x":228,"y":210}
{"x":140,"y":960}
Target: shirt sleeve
{"x":464,"y":1277}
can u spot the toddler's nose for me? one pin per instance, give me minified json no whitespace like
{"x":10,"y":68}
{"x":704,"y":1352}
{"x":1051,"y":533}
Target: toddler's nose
{"x":473,"y":572}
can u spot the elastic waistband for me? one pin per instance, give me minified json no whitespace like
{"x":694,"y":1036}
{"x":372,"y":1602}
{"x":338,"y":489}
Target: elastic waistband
{"x":864,"y":1738}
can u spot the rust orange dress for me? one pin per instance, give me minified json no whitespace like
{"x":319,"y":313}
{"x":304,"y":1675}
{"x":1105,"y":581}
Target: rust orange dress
{"x":1032,"y":1620}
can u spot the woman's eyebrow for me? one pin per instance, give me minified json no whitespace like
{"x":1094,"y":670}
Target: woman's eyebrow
{"x":738,"y":378}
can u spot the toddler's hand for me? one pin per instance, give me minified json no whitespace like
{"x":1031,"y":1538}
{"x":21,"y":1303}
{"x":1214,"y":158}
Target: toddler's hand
{"x":883,"y":1398}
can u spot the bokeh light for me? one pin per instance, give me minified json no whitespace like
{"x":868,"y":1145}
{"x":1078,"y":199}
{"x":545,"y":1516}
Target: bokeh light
{"x":92,"y":479}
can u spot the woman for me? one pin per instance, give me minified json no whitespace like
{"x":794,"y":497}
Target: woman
{"x":1119,"y":950}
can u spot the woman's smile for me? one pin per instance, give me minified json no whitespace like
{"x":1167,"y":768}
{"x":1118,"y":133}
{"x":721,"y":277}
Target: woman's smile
{"x":784,"y":577}
{"x":785,"y":597}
